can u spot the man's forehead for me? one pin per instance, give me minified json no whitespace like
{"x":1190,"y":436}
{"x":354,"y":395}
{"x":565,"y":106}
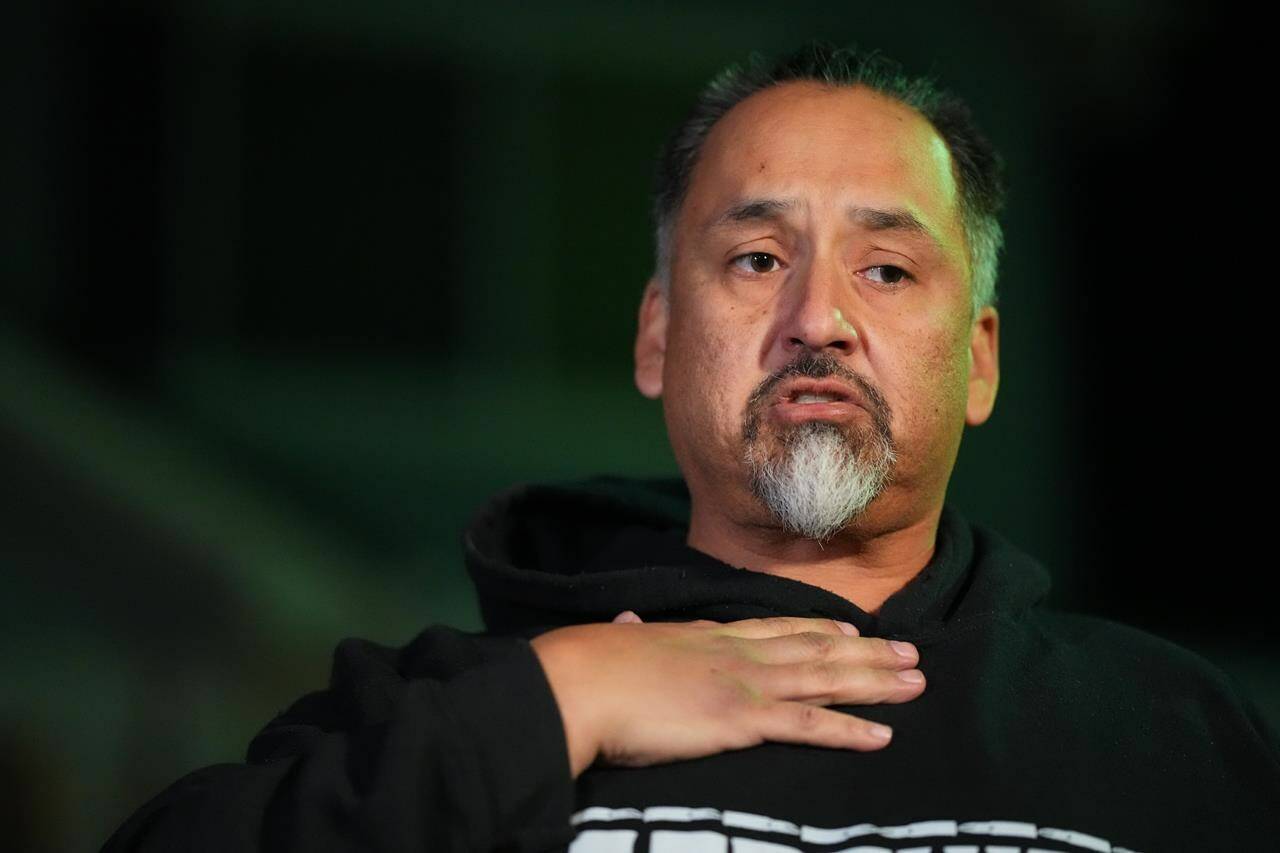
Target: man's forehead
{"x":877,"y":161}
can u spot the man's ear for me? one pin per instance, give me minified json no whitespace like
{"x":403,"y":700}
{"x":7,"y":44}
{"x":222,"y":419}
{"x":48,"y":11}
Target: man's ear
{"x":651,"y":340}
{"x":984,"y":366}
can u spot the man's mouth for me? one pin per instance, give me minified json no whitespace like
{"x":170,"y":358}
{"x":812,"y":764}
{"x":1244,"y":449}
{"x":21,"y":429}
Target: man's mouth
{"x":804,"y":390}
{"x":803,"y":399}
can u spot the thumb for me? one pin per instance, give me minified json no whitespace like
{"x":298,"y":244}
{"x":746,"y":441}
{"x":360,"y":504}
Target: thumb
{"x":627,"y":616}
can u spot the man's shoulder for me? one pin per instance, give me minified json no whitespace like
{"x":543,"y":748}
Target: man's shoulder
{"x":1139,"y":680}
{"x":1118,"y":645}
{"x":1097,"y":641}
{"x":1126,"y":663}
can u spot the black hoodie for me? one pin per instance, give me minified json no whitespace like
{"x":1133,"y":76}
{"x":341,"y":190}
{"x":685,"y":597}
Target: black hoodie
{"x":1037,"y":730}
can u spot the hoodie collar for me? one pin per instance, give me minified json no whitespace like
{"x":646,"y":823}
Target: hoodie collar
{"x":543,"y":556}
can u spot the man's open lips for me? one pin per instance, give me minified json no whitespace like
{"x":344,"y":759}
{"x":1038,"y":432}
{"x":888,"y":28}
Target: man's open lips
{"x":805,"y":399}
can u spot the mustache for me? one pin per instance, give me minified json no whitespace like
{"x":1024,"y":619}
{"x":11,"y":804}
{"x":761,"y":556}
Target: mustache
{"x":818,"y":366}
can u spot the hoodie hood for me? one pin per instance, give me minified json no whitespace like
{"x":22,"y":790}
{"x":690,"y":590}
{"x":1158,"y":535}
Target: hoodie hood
{"x":545,"y":556}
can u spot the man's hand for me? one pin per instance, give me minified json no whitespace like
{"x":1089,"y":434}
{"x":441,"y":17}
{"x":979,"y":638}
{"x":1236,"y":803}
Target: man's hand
{"x":635,"y":693}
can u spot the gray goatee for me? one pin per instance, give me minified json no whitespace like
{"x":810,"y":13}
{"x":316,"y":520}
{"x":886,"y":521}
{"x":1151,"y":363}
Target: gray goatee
{"x":824,"y":475}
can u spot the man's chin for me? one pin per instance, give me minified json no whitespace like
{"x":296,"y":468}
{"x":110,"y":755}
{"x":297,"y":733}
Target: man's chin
{"x":817,"y":482}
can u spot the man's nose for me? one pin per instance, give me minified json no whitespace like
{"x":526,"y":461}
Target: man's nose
{"x":820,"y":312}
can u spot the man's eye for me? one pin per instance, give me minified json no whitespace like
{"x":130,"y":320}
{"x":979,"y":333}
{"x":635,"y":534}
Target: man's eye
{"x":757,"y":262}
{"x":889,"y":274}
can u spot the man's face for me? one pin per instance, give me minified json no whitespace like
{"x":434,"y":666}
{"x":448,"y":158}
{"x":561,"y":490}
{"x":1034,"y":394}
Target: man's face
{"x":818,"y":328}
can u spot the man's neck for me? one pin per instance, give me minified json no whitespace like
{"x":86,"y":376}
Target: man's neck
{"x":862,"y":568}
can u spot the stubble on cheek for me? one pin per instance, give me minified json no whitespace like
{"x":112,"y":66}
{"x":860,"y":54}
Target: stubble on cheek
{"x":939,"y":384}
{"x":716,"y":411}
{"x":723,"y":409}
{"x":952,"y":361}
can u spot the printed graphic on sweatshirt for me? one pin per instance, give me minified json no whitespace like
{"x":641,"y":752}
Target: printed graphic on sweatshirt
{"x":681,"y":829}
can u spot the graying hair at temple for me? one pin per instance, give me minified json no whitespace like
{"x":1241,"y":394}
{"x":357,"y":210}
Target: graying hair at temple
{"x":978,"y":167}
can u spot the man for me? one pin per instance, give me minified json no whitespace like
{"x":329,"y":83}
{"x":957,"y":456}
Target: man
{"x":672,"y":665}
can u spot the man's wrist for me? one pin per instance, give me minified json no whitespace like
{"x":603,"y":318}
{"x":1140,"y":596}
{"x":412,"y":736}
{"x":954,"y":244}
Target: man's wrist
{"x":559,"y":653}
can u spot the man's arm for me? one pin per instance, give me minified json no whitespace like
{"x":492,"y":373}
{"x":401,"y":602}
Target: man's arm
{"x":385,"y":762}
{"x":466,"y":742}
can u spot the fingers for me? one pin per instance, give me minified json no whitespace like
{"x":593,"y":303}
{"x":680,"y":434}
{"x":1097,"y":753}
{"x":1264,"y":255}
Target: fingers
{"x":828,"y":682}
{"x":796,"y":722}
{"x":790,"y":661}
{"x":781,"y":626}
{"x":770,"y":626}
{"x":869,"y":651}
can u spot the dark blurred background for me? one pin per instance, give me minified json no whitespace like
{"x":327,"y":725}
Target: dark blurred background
{"x":290,"y":288}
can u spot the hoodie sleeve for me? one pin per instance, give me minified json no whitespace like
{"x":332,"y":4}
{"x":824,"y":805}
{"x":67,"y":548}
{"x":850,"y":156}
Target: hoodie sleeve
{"x":455,"y":743}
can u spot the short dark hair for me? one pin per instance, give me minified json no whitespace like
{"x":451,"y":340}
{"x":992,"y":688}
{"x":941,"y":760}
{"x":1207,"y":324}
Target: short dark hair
{"x":977,"y":166}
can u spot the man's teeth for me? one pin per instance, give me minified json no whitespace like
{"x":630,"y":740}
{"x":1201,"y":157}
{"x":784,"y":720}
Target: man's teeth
{"x":816,"y":398}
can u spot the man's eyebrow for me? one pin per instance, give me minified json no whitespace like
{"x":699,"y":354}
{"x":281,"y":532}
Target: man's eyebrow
{"x":872,"y":218}
{"x":754,"y":210}
{"x":894,"y":219}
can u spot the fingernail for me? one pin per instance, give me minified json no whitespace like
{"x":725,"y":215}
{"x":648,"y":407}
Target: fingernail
{"x":912,"y":676}
{"x":847,"y":628}
{"x":880,"y":732}
{"x":905,"y":649}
